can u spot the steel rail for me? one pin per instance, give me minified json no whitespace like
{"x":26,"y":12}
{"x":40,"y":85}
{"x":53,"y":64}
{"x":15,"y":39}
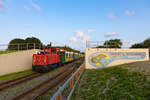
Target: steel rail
{"x":64,"y":85}
{"x":36,"y":87}
{"x":17,"y":81}
{"x":54,"y":84}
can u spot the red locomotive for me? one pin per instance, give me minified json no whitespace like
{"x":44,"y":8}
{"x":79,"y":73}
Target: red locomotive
{"x":52,"y":58}
{"x":46,"y":60}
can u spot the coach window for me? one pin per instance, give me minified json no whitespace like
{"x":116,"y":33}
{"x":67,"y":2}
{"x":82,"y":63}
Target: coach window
{"x":66,"y":54}
{"x":70,"y":54}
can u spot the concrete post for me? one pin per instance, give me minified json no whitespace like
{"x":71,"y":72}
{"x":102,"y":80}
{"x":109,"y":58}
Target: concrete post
{"x":34,"y":45}
{"x":18,"y":47}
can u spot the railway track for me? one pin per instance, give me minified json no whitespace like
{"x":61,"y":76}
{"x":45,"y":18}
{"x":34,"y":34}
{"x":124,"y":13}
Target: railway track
{"x":19,"y":80}
{"x":44,"y":87}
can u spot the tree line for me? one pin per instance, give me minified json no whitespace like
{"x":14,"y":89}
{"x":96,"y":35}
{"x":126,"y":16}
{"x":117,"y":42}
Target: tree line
{"x":112,"y":43}
{"x":23,"y":44}
{"x":33,"y":43}
{"x":117,"y":43}
{"x":144,"y":44}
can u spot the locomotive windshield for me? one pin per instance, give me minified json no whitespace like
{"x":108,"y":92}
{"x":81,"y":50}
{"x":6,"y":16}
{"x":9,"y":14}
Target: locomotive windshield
{"x":42,"y":52}
{"x":53,"y":51}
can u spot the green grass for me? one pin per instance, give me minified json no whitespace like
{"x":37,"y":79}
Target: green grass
{"x":114,"y":83}
{"x":7,"y":51}
{"x":13,"y":75}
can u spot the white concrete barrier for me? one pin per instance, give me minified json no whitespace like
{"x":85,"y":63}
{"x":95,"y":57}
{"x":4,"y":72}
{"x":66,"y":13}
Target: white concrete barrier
{"x":17,"y":61}
{"x":100,"y":58}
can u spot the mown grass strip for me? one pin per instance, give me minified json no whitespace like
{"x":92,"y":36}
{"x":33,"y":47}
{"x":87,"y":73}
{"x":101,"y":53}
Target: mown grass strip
{"x":7,"y":51}
{"x":13,"y":75}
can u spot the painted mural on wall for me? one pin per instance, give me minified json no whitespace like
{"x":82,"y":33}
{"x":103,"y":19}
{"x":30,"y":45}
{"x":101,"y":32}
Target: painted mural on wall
{"x":102,"y":59}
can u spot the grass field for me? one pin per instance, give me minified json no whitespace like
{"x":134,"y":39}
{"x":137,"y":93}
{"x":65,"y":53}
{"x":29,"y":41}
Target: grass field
{"x":124,"y":82}
{"x":13,"y":75}
{"x":7,"y":51}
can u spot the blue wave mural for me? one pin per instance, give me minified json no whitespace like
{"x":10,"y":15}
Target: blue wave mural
{"x":102,"y":59}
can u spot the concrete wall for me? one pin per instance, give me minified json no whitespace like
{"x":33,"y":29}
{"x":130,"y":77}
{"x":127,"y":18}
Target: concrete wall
{"x":100,"y":58}
{"x":15,"y":62}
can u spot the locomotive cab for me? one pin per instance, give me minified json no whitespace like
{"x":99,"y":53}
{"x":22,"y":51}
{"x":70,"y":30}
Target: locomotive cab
{"x":46,"y":60}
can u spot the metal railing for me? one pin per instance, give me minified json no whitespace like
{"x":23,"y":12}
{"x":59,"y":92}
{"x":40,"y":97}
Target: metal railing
{"x":69,"y":85}
{"x":20,"y":46}
{"x":103,"y":44}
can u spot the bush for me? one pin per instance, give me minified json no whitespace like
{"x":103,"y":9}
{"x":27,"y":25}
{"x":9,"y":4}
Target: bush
{"x":28,"y":43}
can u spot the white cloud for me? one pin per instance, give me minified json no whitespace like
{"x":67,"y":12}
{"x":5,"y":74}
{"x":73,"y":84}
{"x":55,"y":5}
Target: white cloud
{"x":111,"y":16}
{"x":90,"y":31}
{"x":129,"y":13}
{"x":128,"y":43}
{"x":73,"y":39}
{"x":8,"y":1}
{"x":2,"y":4}
{"x":37,"y":7}
{"x":81,"y":36}
{"x":110,"y":34}
{"x":85,"y":38}
{"x":26,"y":8}
{"x":79,"y":33}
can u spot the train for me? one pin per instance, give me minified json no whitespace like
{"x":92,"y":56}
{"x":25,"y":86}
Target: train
{"x":52,"y":58}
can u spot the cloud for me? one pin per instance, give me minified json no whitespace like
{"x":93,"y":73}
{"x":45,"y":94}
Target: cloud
{"x":111,"y":16}
{"x":80,"y":36}
{"x":85,"y":38}
{"x":26,"y":8}
{"x":128,"y":43}
{"x":90,"y":31}
{"x":8,"y":1}
{"x":129,"y":13}
{"x":79,"y":33}
{"x":73,"y":39}
{"x":2,"y":4}
{"x":110,"y":34}
{"x":37,"y":7}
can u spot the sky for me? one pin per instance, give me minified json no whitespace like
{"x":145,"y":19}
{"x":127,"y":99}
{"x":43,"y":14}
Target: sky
{"x":73,"y":22}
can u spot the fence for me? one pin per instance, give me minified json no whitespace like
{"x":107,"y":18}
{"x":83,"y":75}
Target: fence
{"x":20,"y":46}
{"x":103,"y":44}
{"x":69,"y":85}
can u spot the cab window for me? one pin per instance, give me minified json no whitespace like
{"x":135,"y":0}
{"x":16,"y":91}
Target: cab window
{"x":58,"y":52}
{"x":46,"y":51}
{"x":53,"y":51}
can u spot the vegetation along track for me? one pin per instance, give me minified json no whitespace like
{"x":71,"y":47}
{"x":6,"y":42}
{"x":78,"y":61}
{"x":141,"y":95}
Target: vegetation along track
{"x":44,"y":87}
{"x":13,"y":82}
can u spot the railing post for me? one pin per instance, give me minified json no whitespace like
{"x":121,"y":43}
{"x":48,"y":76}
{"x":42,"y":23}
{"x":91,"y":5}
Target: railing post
{"x":71,"y":84}
{"x":40,"y":46}
{"x":27,"y":46}
{"x":34,"y":45}
{"x":18,"y":47}
{"x":59,"y":97}
{"x":76,"y":76}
